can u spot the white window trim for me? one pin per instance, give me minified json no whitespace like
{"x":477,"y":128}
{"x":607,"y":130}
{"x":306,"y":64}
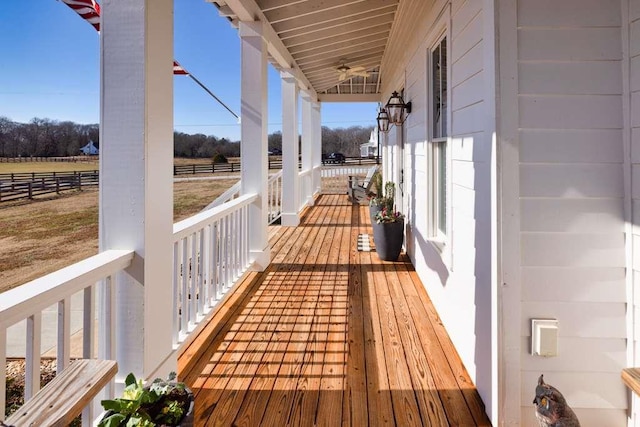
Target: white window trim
{"x":440,"y":240}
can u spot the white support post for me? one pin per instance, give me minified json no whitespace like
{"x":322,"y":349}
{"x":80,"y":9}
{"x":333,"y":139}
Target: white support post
{"x":136,"y":182}
{"x":307,"y":150}
{"x":316,"y":123}
{"x":290,"y":151}
{"x":254,"y":175}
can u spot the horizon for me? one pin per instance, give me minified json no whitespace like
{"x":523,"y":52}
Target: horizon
{"x":54,"y":73}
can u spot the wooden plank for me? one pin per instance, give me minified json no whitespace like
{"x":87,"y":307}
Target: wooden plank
{"x":438,"y":406}
{"x":355,"y":411}
{"x":229,"y":383}
{"x":332,"y":381}
{"x":444,"y":353}
{"x":63,"y":399}
{"x":305,"y":399}
{"x":331,"y":336}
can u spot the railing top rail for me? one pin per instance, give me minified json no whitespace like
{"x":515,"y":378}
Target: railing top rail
{"x":224,"y":197}
{"x":197,"y":221}
{"x":275,"y":176}
{"x":18,"y":303}
{"x":305,"y":172}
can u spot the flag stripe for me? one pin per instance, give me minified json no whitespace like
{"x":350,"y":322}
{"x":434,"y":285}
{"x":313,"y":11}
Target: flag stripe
{"x":89,"y":10}
{"x":177,"y":69}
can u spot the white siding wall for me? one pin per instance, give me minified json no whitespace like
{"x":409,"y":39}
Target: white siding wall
{"x":458,"y":282}
{"x":634,"y":123}
{"x":572,"y":193}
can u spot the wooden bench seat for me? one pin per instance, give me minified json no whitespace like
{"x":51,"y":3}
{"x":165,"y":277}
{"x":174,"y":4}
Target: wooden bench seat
{"x":631,"y":378}
{"x":64,"y":398}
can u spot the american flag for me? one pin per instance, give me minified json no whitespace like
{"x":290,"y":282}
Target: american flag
{"x":88,"y":9}
{"x":177,"y":69}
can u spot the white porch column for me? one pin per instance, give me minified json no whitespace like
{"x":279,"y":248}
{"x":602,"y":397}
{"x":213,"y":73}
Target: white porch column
{"x":290,"y":151}
{"x":136,"y":182}
{"x":253,"y":147}
{"x":316,"y":123}
{"x":307,"y":151}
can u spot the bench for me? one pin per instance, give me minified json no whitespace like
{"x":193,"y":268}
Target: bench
{"x":63,"y":399}
{"x":359,"y":192}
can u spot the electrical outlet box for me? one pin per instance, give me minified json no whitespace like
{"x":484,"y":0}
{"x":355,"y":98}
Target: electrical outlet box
{"x":544,"y":337}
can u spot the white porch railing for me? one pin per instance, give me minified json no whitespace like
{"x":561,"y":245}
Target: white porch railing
{"x":230,"y":194}
{"x":274,"y":197}
{"x":330,"y":172}
{"x":306,"y":187}
{"x":210,"y":252}
{"x":27,"y":302}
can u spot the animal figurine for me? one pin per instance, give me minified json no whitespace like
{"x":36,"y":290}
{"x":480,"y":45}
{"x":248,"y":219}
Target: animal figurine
{"x":551,"y":407}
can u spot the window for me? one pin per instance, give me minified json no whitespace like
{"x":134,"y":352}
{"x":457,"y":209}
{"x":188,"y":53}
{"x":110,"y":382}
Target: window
{"x":439,"y":133}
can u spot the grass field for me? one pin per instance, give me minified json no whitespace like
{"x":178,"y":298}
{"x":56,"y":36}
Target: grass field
{"x":44,"y":235}
{"x":82,"y":166}
{"x":47,"y":167}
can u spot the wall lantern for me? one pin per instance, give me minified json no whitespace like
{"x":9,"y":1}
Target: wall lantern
{"x":383,"y":120}
{"x":397,"y":109}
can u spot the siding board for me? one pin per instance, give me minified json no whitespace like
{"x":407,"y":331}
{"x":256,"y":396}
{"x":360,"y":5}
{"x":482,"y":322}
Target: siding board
{"x":571,"y":180}
{"x":571,"y":146}
{"x":583,"y":354}
{"x":470,"y":147}
{"x":570,"y":78}
{"x":571,"y":112}
{"x":468,"y":38}
{"x":569,"y":13}
{"x":573,"y":250}
{"x":576,"y":284}
{"x":469,"y":64}
{"x":569,"y":44}
{"x":572,"y":215}
{"x":468,"y":120}
{"x":468,"y":92}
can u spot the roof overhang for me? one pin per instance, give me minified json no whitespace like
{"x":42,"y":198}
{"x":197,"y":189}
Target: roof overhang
{"x":311,"y":39}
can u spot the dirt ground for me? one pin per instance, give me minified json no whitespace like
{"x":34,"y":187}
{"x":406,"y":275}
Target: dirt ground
{"x":41,"y":236}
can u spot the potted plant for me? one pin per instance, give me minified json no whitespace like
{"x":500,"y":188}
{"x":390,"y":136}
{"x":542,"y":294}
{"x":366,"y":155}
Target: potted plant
{"x":388,"y":227}
{"x":161,"y":403}
{"x":376,"y":200}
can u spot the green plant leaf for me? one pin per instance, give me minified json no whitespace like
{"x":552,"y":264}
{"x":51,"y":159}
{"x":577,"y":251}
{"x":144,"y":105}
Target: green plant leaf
{"x":113,"y":420}
{"x":131,"y":379}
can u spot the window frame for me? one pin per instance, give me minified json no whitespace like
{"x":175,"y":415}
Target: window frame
{"x":439,"y":147}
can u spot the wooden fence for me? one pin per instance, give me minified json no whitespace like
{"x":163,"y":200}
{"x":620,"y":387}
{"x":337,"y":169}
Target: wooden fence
{"x":67,"y":159}
{"x":16,"y":186}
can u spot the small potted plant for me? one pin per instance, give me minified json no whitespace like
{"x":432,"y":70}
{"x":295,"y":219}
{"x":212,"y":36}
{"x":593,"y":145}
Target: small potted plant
{"x":388,"y":227}
{"x":376,"y":200}
{"x":161,"y":403}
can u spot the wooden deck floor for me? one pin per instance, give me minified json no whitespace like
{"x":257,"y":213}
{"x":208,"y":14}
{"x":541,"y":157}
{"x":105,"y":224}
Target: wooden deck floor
{"x":328,"y":336}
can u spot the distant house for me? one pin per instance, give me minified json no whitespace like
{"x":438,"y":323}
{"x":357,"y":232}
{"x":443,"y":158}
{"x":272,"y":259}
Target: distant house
{"x":90,"y":149}
{"x":370,"y":149}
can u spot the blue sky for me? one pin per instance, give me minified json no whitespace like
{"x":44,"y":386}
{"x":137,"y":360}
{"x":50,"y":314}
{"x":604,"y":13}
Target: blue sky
{"x":50,"y":69}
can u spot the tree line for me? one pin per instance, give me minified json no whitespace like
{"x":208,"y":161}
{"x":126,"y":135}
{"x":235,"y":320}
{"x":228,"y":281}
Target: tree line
{"x":51,"y":138}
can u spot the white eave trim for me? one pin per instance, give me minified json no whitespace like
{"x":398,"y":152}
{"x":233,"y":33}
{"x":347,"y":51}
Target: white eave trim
{"x":248,"y":10}
{"x":356,"y":97}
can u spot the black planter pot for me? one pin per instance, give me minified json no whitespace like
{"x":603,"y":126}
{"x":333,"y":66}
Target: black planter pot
{"x":373,"y":210}
{"x":388,"y":238}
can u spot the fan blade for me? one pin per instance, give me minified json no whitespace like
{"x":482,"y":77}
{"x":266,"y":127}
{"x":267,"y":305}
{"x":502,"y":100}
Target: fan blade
{"x":357,"y":69}
{"x":360,"y":73}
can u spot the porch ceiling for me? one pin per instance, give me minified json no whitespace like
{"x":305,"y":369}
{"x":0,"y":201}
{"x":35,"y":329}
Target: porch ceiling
{"x":313,"y":38}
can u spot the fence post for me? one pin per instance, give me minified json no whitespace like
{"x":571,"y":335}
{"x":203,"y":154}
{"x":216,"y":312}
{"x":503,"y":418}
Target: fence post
{"x":80,"y":181}
{"x":193,"y":167}
{"x":57,"y":185}
{"x":174,"y":170}
{"x":30,"y":192}
{"x":213,"y":168}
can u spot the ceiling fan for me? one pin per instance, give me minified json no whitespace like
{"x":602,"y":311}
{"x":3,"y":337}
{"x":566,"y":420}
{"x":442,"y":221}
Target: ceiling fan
{"x":346,"y":72}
